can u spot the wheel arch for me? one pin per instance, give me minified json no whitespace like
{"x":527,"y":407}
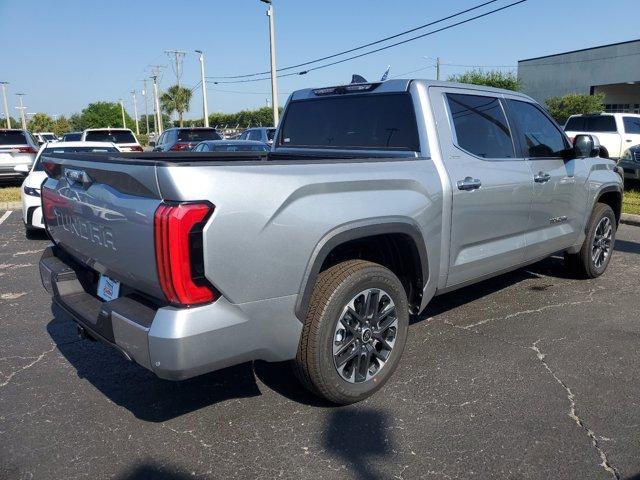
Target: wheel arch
{"x":386,"y":232}
{"x":612,"y":196}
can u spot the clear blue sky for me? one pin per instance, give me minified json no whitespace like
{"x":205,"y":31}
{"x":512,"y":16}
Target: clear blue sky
{"x":65,"y":54}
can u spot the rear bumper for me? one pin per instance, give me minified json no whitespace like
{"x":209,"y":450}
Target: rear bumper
{"x":175,"y":343}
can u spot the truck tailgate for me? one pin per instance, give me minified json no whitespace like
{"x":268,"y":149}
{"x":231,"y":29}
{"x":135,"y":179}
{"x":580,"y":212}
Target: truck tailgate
{"x":102,"y":213}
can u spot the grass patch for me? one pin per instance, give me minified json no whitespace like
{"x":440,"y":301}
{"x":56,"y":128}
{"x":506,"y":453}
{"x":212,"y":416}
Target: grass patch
{"x":10,"y":194}
{"x":631,"y":201}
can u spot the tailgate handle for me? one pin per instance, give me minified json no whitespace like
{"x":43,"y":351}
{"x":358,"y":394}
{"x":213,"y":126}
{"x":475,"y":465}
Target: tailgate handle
{"x":78,"y":176}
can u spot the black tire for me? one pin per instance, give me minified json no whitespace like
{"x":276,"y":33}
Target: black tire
{"x":30,"y":232}
{"x":335,"y":288}
{"x":583,"y":263}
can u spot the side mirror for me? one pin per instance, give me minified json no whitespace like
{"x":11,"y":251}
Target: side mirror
{"x":22,"y":169}
{"x":586,"y":146}
{"x":152,"y":143}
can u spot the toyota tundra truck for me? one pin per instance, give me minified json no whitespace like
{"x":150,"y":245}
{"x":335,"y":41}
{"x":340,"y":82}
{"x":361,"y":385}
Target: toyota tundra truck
{"x":375,"y":198}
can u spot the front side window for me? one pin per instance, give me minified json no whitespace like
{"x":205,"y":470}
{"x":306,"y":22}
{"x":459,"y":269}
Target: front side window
{"x":631,"y":125}
{"x":539,"y":136}
{"x":480,"y":126}
{"x":352,"y":121}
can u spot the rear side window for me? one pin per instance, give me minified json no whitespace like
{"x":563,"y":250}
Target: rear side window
{"x":376,"y":122}
{"x":631,"y":125}
{"x":539,"y":136}
{"x":197,"y":135}
{"x":480,"y":126}
{"x":115,"y":136}
{"x":10,"y":137}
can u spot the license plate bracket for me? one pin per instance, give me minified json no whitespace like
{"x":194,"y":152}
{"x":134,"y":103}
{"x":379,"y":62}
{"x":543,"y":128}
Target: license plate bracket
{"x":108,"y":288}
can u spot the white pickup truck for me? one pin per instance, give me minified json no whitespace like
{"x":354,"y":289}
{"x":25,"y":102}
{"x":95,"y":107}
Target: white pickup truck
{"x":616,"y":131}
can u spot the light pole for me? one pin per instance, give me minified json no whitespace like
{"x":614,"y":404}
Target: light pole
{"x":146,"y":106}
{"x":135,"y":111}
{"x":22,"y":107}
{"x":124,"y":121}
{"x":205,"y":109}
{"x":272,"y":48}
{"x":157,"y":105}
{"x":6,"y":105}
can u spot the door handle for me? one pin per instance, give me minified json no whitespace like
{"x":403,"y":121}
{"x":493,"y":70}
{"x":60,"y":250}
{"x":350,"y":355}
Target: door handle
{"x":542,"y":177}
{"x":469,"y":184}
{"x":628,"y":140}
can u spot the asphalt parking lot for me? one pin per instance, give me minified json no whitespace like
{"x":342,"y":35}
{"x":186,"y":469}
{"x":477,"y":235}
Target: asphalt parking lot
{"x":530,"y":375}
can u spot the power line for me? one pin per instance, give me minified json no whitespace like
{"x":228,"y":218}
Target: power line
{"x":344,"y":52}
{"x":411,"y":39}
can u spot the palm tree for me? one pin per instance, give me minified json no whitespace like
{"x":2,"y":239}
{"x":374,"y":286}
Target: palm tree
{"x":176,"y":99}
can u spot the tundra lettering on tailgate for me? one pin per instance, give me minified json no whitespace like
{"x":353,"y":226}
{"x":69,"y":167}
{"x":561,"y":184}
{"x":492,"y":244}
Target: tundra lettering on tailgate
{"x":85,"y":229}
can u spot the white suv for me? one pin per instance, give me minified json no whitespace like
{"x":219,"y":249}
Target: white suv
{"x":122,"y":137}
{"x":616,"y":131}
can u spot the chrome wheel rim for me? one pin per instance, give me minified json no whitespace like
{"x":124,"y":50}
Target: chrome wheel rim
{"x":602,"y":240}
{"x":365,"y":335}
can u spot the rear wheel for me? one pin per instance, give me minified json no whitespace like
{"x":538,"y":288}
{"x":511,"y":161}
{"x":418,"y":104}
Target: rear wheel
{"x":354,"y":333}
{"x":594,"y":256}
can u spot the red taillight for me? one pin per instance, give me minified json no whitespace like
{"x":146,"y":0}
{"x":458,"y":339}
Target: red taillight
{"x":25,"y":150}
{"x":137,"y":148}
{"x":180,"y":146}
{"x":179,"y":256}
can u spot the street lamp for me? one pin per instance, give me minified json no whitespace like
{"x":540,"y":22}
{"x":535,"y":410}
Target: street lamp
{"x":272,"y":48}
{"x":205,"y":109}
{"x":6,"y":105}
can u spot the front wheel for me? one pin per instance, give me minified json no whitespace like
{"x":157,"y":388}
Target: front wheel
{"x":594,"y":256}
{"x":354,"y":333}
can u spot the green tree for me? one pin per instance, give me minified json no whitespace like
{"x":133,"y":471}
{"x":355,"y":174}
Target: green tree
{"x":245,"y":118}
{"x":101,"y":115}
{"x":492,"y":78}
{"x":563,"y":107}
{"x":61,"y":126}
{"x":15,"y":122}
{"x":40,"y":122}
{"x":176,"y":99}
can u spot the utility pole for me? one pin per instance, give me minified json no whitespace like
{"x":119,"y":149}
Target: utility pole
{"x":156,"y":104}
{"x":135,"y":111}
{"x":146,"y":106}
{"x":438,"y":68}
{"x":179,"y":55}
{"x":205,"y":108}
{"x":272,"y":49}
{"x":6,"y":105}
{"x":22,"y":107}
{"x":124,"y":122}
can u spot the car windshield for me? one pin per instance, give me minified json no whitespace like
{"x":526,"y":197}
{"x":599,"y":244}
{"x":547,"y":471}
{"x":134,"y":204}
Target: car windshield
{"x":114,"y":136}
{"x":377,"y":122}
{"x":12,"y":137}
{"x":53,"y":149}
{"x":239,"y":148}
{"x":197,"y":135}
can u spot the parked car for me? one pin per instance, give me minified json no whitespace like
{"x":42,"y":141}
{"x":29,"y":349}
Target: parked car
{"x":122,"y":137}
{"x":260,"y":134}
{"x":615,"y":131}
{"x":17,"y":147}
{"x":180,"y":139}
{"x":630,"y":162}
{"x":374,"y":199}
{"x":44,"y":137}
{"x":71,"y":137}
{"x":35,"y":175}
{"x":231,"y":146}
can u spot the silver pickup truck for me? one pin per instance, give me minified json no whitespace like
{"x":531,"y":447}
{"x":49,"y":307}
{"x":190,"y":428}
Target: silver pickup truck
{"x":374,"y":199}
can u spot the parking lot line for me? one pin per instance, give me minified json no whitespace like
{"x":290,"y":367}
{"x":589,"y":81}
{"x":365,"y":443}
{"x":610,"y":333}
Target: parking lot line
{"x":5,"y":216}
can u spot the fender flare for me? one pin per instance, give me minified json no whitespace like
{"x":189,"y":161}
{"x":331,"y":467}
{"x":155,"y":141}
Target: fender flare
{"x":608,"y":189}
{"x":353,"y":231}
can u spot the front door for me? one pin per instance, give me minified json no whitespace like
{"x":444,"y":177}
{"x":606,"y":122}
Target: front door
{"x":492,"y":187}
{"x":560,"y":194}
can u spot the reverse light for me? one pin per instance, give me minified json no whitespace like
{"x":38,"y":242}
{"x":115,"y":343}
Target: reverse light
{"x":179,"y":252}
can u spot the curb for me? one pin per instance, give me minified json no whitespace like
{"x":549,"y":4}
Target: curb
{"x":630,"y":219}
{"x":10,"y":205}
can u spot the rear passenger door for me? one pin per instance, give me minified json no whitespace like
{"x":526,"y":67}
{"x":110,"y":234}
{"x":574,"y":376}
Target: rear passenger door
{"x":560,"y":191}
{"x":631,"y":131}
{"x":492,"y":187}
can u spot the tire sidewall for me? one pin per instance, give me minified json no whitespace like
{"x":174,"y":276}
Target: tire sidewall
{"x":599,"y":213}
{"x":370,"y":277}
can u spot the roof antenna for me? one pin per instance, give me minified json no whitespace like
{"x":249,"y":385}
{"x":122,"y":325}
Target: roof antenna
{"x":355,"y":78}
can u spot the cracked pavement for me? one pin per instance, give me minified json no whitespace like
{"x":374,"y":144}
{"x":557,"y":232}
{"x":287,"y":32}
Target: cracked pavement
{"x":531,"y":375}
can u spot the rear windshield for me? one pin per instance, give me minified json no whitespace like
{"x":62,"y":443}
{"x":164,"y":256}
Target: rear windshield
{"x":239,"y":148}
{"x":197,"y":135}
{"x":9,"y":137}
{"x":71,"y":137}
{"x":38,"y":166}
{"x":376,"y":122}
{"x":48,"y":136}
{"x":600,"y":123}
{"x":115,"y":136}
